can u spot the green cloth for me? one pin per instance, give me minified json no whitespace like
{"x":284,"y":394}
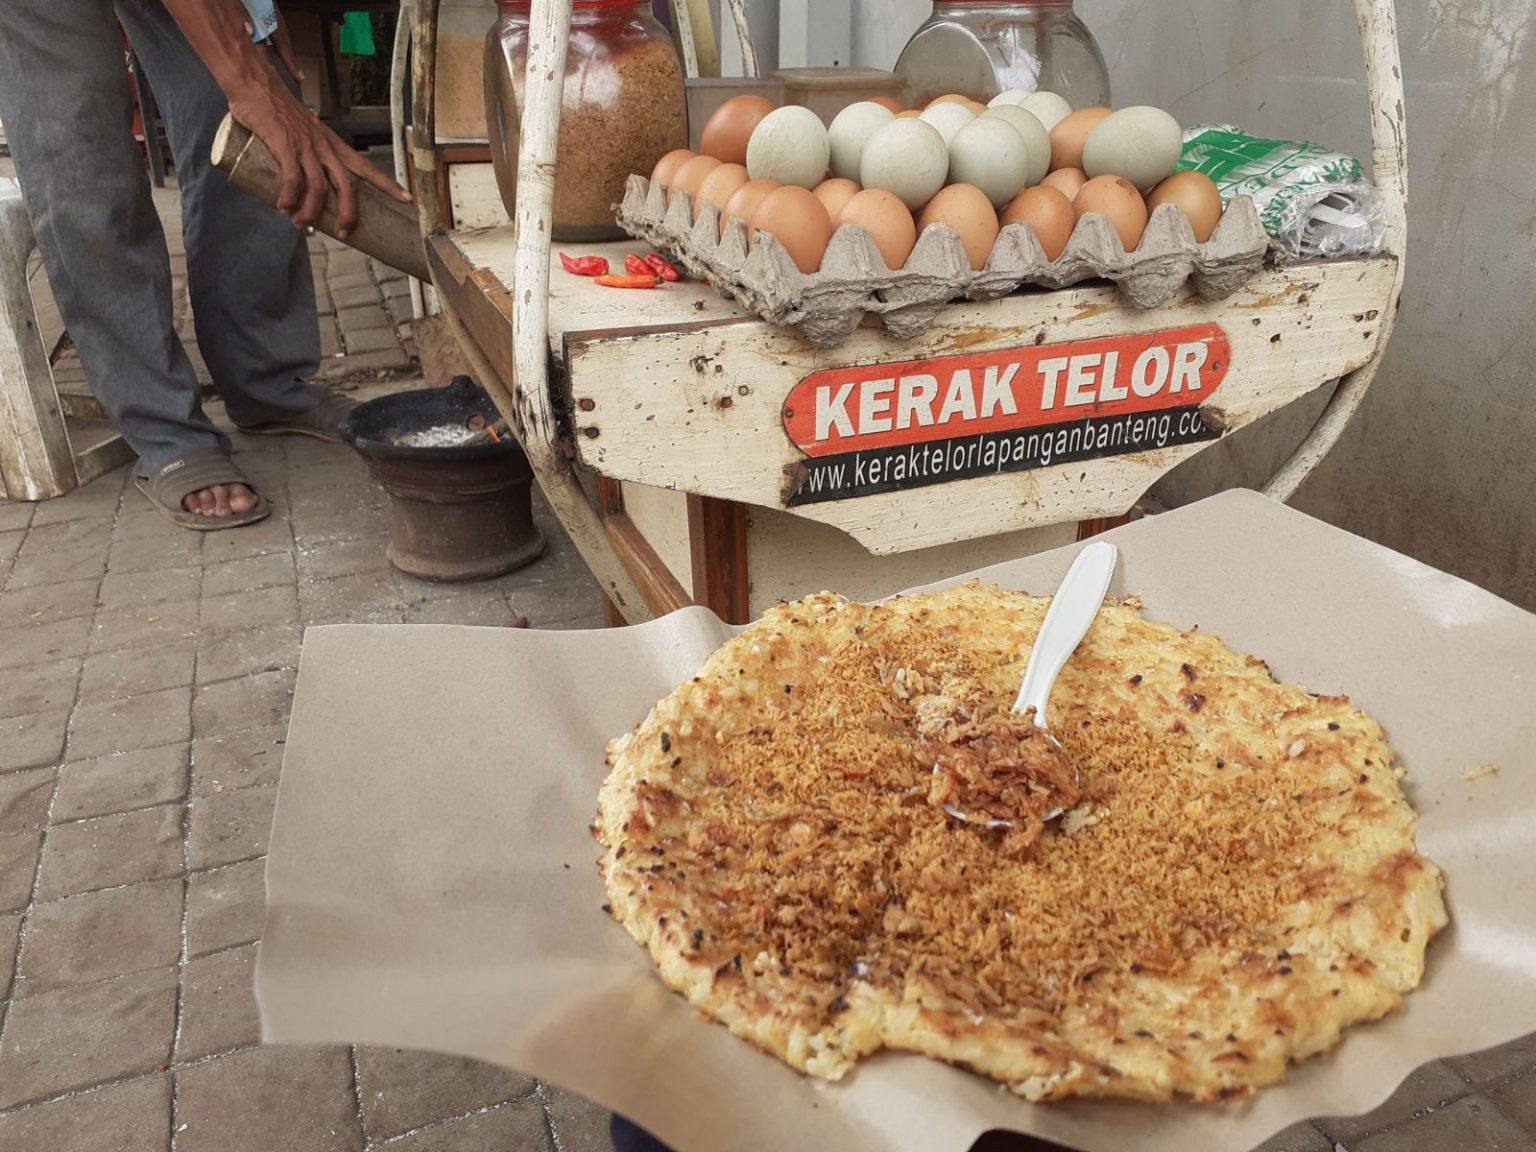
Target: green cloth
{"x":356,"y":34}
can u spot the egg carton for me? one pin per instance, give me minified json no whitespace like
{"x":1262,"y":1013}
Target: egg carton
{"x":826,"y":306}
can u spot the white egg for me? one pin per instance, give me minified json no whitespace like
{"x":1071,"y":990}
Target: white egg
{"x":1012,"y":97}
{"x":1049,"y":108}
{"x":789,"y":145}
{"x":1140,"y":144}
{"x":851,"y":130}
{"x":947,"y":118}
{"x":990,"y":153}
{"x":906,"y":158}
{"x":1036,"y":139}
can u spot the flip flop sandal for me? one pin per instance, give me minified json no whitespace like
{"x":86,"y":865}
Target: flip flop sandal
{"x":167,"y":488}
{"x":323,"y":421}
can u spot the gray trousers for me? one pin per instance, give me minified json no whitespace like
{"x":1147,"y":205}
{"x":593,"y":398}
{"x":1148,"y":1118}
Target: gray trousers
{"x":66,"y":106}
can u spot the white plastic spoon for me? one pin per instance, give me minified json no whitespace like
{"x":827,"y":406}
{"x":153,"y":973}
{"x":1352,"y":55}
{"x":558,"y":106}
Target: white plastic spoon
{"x":1067,"y":621}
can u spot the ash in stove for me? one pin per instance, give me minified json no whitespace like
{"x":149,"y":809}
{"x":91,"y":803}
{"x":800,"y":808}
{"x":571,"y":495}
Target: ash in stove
{"x":437,"y":436}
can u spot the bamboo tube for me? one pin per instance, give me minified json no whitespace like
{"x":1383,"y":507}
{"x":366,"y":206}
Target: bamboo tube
{"x":386,"y":229}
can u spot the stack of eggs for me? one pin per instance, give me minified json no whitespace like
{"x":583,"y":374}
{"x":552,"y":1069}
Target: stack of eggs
{"x":1026,"y":157}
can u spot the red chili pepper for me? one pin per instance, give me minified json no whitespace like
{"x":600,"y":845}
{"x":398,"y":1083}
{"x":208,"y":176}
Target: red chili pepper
{"x":584,"y":265}
{"x":636,"y":266}
{"x":659,"y":265}
{"x":630,"y":281}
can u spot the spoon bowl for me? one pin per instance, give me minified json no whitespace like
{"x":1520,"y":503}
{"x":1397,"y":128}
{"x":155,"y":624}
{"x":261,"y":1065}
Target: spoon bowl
{"x":1067,"y":620}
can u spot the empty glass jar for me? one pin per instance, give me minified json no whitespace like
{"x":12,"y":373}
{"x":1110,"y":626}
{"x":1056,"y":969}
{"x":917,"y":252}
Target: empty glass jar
{"x":623,"y":108}
{"x":979,"y":48}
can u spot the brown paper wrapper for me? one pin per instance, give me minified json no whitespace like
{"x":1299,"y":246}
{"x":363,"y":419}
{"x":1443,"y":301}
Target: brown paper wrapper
{"x":432,"y":879}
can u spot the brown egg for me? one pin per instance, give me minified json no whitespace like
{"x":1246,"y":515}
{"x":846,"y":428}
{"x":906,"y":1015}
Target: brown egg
{"x":1048,"y":213}
{"x":834,"y":194}
{"x":887,"y":221}
{"x":966,"y":209}
{"x":976,"y":107}
{"x":744,"y":201}
{"x":1117,"y":200}
{"x":799,"y":221}
{"x":1195,"y":193}
{"x":691,"y":175}
{"x":1067,"y":181}
{"x":666,"y":168}
{"x":887,"y":101}
{"x":951,"y":98}
{"x":909,"y":113}
{"x":717,"y":188}
{"x":1069,"y":136}
{"x":730,"y":126}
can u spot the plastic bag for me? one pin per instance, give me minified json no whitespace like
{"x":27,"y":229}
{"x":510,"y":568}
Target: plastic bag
{"x":1314,"y":203}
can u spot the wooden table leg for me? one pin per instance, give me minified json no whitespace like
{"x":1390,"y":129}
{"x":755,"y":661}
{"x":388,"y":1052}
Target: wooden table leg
{"x":718,"y":532}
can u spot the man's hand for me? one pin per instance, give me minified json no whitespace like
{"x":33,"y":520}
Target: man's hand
{"x":313,"y":160}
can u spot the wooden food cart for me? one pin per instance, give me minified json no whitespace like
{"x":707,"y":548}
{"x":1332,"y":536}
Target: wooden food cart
{"x":692,"y":450}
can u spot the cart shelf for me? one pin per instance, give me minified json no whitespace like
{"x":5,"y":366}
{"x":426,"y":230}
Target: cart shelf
{"x":680,"y":389}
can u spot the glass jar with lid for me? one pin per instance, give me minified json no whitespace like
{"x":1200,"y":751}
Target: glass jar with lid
{"x":979,"y":48}
{"x":623,"y":108}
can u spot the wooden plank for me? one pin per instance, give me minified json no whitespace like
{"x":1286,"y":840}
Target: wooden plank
{"x":35,"y":457}
{"x":481,"y":307}
{"x":699,"y":409}
{"x":662,"y":518}
{"x":99,"y":448}
{"x":658,"y":587}
{"x":717,"y":530}
{"x":576,"y":304}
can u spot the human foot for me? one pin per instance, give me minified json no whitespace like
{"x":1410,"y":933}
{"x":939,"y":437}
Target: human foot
{"x":203,"y":491}
{"x":220,"y":501}
{"x":322,"y":422}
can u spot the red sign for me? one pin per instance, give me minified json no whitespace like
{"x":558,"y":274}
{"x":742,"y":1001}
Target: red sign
{"x":878,"y":427}
{"x":915,"y":401}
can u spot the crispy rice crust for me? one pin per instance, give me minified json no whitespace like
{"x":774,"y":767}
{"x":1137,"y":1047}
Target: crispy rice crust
{"x":1239,"y":885}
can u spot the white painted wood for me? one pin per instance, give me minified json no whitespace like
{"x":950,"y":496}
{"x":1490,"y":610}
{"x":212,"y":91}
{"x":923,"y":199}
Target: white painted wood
{"x":399,"y":84}
{"x":577,"y":304}
{"x":532,"y":416}
{"x":473,"y":196}
{"x":1389,"y":159}
{"x":699,"y":409}
{"x":36,"y":461}
{"x":683,"y":17}
{"x":744,"y":57}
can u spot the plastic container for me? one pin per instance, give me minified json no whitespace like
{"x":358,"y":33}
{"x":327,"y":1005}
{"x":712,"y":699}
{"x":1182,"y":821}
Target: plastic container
{"x":622,"y":110}
{"x":980,"y":48}
{"x":827,"y":91}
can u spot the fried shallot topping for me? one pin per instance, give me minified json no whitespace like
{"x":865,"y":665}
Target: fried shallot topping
{"x":1000,"y":767}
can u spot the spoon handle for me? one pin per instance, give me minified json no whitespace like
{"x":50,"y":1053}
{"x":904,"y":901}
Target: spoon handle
{"x":1072,"y":610}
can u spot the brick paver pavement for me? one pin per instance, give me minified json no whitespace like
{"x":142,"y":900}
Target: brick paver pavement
{"x":145,"y":681}
{"x":145,"y":685}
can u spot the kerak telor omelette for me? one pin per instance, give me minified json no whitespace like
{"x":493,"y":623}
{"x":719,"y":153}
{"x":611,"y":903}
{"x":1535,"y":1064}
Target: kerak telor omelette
{"x":1237,"y":886}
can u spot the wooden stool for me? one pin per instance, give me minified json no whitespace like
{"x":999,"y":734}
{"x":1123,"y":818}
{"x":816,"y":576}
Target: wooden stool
{"x":37,"y":459}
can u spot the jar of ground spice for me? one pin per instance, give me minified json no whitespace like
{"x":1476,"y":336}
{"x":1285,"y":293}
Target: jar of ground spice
{"x":623,"y":108}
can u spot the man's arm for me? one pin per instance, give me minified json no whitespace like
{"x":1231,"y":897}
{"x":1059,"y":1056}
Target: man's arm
{"x":313,"y":159}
